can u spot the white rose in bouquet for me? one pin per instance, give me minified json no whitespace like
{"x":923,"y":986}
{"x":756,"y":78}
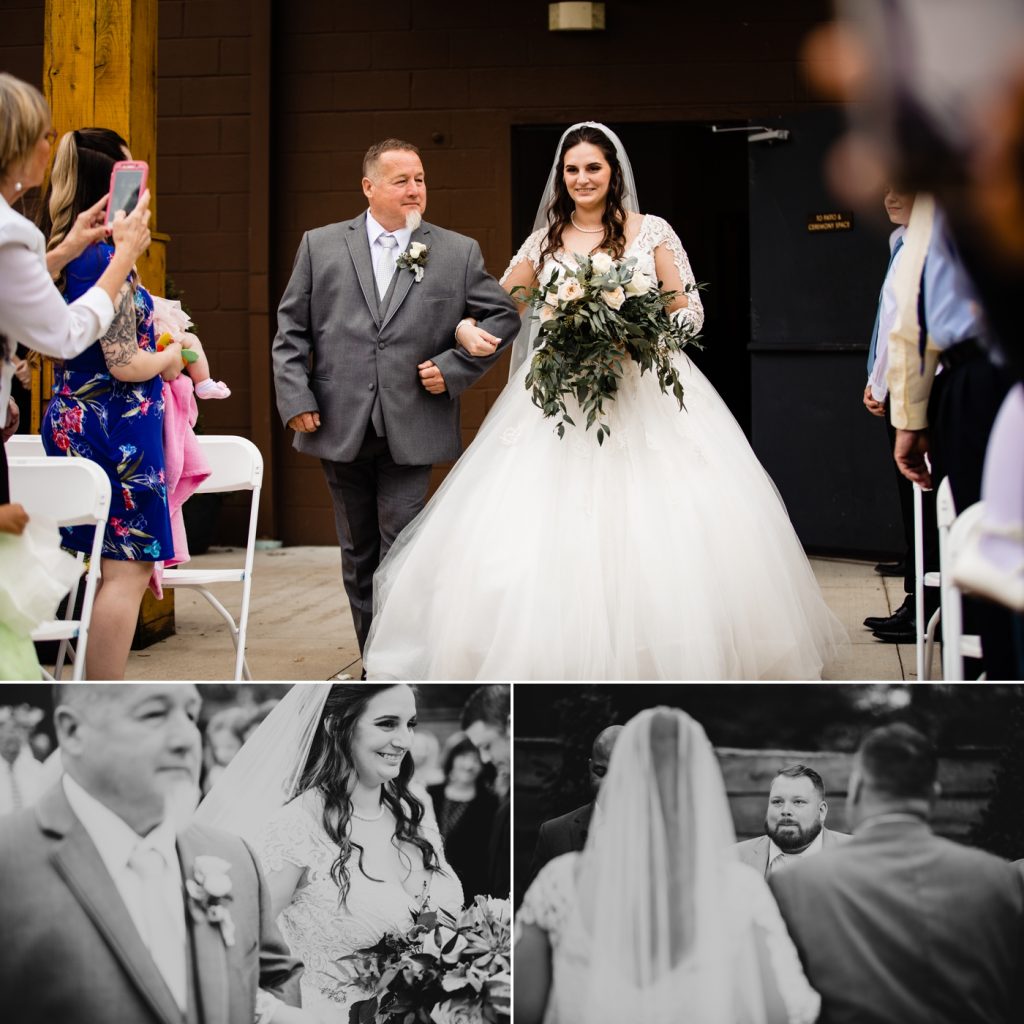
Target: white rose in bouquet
{"x":551,"y":298}
{"x":546,"y":313}
{"x":614,"y":298}
{"x":570,"y":290}
{"x":601,"y":262}
{"x":452,"y":1012}
{"x":639,"y":284}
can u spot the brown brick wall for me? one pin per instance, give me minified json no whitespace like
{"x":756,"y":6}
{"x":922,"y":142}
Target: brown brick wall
{"x":452,"y":77}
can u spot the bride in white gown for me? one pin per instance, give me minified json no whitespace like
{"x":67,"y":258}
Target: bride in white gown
{"x":321,"y":792}
{"x":665,"y":553}
{"x":655,"y":920}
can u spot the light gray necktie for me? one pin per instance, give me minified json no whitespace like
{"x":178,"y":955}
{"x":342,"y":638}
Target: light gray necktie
{"x":384,"y":263}
{"x":777,"y":864}
{"x":17,"y":802}
{"x":162,"y":938}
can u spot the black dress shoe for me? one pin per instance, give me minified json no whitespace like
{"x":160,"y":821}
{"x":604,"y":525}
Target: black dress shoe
{"x":904,"y":635}
{"x":902,"y":618}
{"x":891,"y":568}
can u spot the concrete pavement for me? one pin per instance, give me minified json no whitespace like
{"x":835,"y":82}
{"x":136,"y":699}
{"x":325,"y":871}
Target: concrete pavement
{"x":300,"y":627}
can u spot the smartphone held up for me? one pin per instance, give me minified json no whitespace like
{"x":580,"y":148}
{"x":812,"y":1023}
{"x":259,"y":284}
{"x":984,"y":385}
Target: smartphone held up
{"x":127,"y":182}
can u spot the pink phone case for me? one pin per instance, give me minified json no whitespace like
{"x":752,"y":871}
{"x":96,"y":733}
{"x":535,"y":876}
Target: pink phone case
{"x":126,"y":167}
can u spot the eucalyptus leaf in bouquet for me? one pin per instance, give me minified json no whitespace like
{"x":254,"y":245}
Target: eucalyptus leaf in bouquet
{"x":443,"y":970}
{"x":592,"y":318}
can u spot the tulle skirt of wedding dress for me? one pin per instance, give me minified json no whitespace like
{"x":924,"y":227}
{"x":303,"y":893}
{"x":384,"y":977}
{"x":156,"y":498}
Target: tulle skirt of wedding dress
{"x":666,"y":553}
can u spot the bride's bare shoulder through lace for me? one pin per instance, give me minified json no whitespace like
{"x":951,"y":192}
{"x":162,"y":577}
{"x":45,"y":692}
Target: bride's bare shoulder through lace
{"x":551,"y":896}
{"x":291,"y":836}
{"x":529,"y":251}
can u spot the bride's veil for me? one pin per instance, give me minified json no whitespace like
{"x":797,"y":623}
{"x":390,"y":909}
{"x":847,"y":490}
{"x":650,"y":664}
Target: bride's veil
{"x":653,"y":885}
{"x":264,"y":775}
{"x":523,"y":346}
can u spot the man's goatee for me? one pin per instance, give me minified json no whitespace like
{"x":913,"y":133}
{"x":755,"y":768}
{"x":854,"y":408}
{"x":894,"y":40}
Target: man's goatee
{"x":413,"y":219}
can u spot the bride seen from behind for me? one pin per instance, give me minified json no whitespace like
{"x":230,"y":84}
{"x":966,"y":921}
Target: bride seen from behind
{"x":665,"y":553}
{"x":321,"y":791}
{"x":655,"y":914}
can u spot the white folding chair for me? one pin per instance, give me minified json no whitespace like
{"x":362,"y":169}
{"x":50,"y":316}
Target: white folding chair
{"x":236,"y":465}
{"x":25,"y":446}
{"x":925,"y":645}
{"x":74,"y":492}
{"x":953,"y":530}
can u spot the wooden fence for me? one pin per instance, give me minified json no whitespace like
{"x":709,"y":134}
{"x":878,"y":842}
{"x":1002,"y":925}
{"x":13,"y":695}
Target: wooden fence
{"x":966,"y":776}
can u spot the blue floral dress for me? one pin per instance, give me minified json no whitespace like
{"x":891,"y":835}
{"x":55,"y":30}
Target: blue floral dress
{"x":117,"y":425}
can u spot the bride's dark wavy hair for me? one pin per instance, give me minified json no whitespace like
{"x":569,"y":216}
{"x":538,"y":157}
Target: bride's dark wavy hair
{"x":561,"y":207}
{"x":331,"y":772}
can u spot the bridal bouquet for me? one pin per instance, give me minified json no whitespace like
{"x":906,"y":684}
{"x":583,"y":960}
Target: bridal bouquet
{"x":592,"y":318}
{"x":443,"y":970}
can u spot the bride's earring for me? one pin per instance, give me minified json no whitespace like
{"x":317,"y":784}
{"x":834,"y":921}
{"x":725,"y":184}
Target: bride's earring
{"x":17,"y":186}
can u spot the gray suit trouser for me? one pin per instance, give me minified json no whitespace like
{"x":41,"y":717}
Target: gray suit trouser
{"x":374,"y":500}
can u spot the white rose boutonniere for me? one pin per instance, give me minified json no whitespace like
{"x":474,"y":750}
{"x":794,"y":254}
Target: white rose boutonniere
{"x":639,"y":284}
{"x":601,"y":263}
{"x":415,"y":259}
{"x":209,"y":889}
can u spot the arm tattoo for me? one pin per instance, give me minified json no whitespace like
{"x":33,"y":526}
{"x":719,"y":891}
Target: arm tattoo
{"x":120,"y":342}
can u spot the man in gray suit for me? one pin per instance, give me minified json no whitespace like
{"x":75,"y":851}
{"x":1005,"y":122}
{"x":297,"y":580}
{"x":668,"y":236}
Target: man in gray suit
{"x":108,"y":914}
{"x":794,"y":823}
{"x":366,"y":362}
{"x":898,"y":924}
{"x":568,"y":832}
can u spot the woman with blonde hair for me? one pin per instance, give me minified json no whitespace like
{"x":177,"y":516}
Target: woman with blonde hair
{"x":32,"y":310}
{"x":108,"y":406}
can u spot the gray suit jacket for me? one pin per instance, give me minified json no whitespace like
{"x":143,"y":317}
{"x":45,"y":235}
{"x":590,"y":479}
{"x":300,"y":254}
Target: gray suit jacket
{"x":72,"y":954}
{"x":900,"y":925}
{"x":330,"y":312}
{"x":755,"y":851}
{"x":565,"y":834}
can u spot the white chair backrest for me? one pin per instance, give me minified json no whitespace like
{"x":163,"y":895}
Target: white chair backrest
{"x":71,"y":491}
{"x":27,"y":446}
{"x":235,"y":462}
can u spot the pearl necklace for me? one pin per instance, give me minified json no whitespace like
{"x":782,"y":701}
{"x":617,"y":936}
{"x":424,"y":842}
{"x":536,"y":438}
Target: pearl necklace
{"x":376,"y":817}
{"x":586,"y":231}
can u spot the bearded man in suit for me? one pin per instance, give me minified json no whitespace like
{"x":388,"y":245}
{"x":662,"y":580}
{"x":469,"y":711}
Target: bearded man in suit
{"x":113,"y":914}
{"x":899,"y":924}
{"x":794,"y":823}
{"x":378,"y":305}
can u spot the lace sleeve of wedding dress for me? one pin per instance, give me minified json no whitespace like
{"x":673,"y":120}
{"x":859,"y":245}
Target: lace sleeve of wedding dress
{"x":802,"y":1003}
{"x":550,"y":897}
{"x":289,"y":837}
{"x":529,"y":251}
{"x":660,"y":233}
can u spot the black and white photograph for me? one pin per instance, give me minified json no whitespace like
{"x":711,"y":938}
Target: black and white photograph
{"x":732,"y":854}
{"x":255,"y":854}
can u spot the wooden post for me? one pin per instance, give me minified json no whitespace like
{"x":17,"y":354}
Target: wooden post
{"x":99,"y":71}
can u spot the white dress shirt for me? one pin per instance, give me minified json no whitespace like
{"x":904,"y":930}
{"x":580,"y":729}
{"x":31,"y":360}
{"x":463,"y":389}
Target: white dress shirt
{"x":774,"y":852}
{"x":374,"y":231}
{"x":25,"y":776}
{"x":886,"y":322}
{"x":116,"y":841}
{"x":32,"y":310}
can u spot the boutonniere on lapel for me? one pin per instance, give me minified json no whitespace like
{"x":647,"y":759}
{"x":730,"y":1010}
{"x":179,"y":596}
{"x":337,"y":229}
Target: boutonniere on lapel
{"x":415,"y":259}
{"x":209,"y":889}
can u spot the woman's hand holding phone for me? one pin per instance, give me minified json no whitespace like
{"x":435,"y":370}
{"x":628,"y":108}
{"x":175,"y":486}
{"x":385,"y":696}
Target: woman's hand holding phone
{"x":131,"y":233}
